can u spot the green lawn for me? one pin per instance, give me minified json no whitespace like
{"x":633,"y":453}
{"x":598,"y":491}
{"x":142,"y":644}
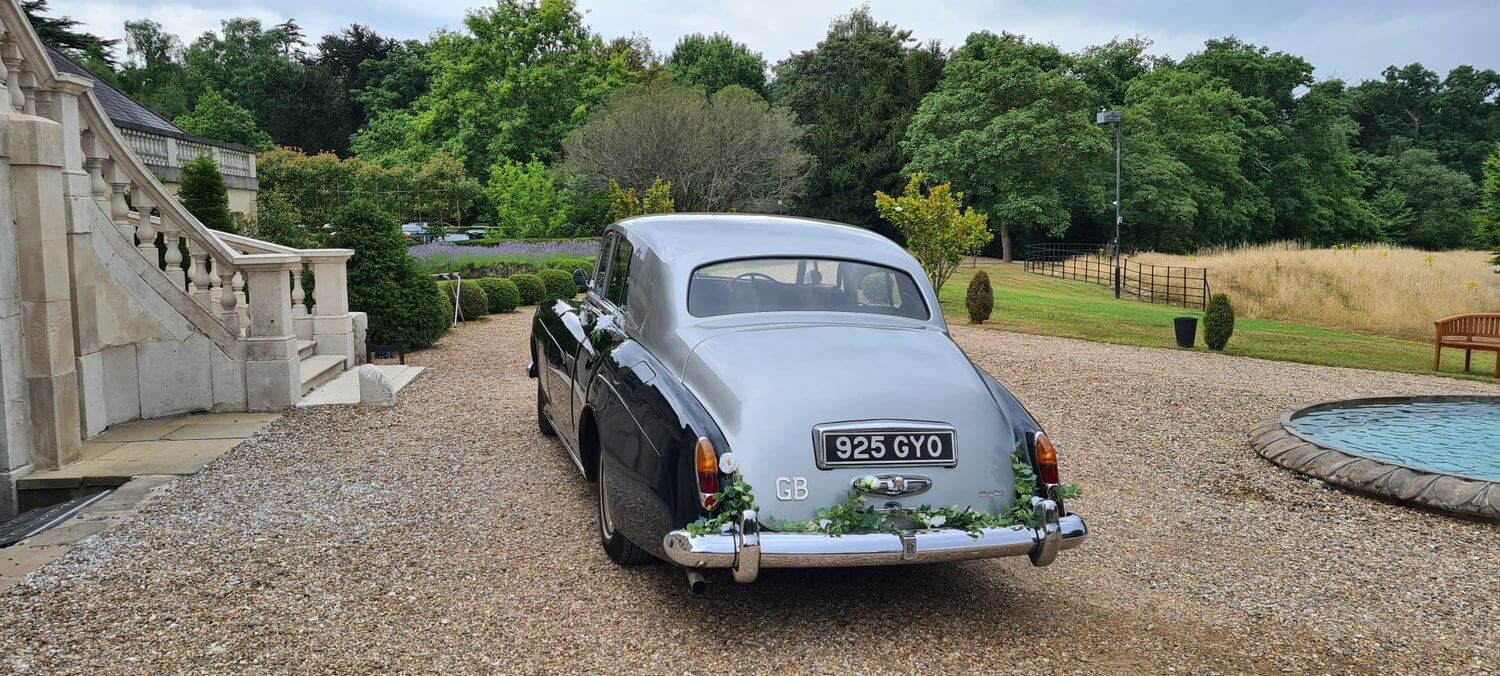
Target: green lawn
{"x":1030,"y":303}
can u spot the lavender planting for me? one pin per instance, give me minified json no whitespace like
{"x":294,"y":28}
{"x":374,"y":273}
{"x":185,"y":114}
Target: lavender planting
{"x":504,"y":258}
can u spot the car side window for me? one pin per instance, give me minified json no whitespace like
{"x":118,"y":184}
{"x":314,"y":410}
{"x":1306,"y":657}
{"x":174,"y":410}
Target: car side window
{"x":601,"y":266}
{"x":619,"y":274}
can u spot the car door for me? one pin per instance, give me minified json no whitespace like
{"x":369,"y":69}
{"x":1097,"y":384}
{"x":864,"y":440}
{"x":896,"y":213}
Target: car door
{"x":605,"y":299}
{"x":570,"y":330}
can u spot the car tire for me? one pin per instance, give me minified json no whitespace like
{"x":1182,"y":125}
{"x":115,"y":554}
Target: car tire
{"x":619,"y":548}
{"x":541,"y":416}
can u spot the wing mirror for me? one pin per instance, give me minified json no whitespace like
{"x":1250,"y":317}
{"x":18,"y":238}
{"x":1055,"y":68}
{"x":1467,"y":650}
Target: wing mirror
{"x":582,"y":281}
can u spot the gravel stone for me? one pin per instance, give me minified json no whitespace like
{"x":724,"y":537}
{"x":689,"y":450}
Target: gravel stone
{"x":445,"y":534}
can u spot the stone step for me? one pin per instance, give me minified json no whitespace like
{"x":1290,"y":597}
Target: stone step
{"x":319,"y":369}
{"x":305,"y":348}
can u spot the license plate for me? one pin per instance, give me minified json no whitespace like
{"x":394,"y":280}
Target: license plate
{"x":842,"y":448}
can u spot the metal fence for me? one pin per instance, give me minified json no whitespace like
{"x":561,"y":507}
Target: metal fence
{"x":1166,"y":284}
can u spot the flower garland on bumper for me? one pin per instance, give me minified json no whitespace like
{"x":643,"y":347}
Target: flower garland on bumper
{"x":854,"y":516}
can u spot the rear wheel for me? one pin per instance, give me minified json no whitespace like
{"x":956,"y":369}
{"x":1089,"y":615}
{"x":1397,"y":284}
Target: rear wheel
{"x":541,"y":416}
{"x":619,"y":549}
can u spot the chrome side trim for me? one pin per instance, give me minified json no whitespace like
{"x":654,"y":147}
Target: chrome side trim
{"x":747,"y":552}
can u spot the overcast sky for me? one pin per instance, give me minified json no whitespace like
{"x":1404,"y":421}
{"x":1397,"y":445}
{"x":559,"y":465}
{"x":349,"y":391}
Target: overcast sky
{"x":1350,"y":39}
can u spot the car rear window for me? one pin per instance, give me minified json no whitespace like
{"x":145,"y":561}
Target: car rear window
{"x":803,"y":284}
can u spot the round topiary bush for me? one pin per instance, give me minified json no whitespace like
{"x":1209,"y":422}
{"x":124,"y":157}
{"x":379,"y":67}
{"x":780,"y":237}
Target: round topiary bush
{"x":559,"y":283}
{"x":980,"y":299}
{"x":445,"y":301}
{"x":384,"y":281}
{"x":1218,"y":322}
{"x":530,"y":288}
{"x":473,"y":303}
{"x":876,"y":287}
{"x":503,"y":294}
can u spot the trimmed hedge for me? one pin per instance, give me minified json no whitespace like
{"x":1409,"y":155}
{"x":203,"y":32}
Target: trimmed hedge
{"x":559,"y":284}
{"x":472,"y":301}
{"x":530,"y":288}
{"x":503,"y":295}
{"x":1218,"y":322}
{"x":445,"y":301}
{"x":384,"y":281}
{"x":980,"y":300}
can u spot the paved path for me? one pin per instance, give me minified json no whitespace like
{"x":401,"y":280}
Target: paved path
{"x":447,"y":535}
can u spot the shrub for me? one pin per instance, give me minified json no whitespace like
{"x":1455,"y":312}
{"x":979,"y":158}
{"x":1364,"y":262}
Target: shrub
{"x":204,"y":194}
{"x":981,"y":298}
{"x":445,"y":301}
{"x":877,"y":288}
{"x":384,"y":281}
{"x":473,"y":303}
{"x":559,"y":283}
{"x":1218,"y":322}
{"x":503,"y":295}
{"x":530,"y":288}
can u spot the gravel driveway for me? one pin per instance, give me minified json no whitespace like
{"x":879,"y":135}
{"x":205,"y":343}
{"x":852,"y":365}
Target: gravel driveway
{"x":447,"y":535}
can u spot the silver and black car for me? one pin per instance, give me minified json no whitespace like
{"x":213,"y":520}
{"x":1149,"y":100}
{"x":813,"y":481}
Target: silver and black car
{"x":804,"y":362}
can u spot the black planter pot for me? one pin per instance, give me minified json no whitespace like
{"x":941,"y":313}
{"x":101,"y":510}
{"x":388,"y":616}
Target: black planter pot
{"x":1187,"y":331}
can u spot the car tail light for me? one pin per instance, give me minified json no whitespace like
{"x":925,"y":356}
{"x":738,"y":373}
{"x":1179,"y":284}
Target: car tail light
{"x":1046,"y":459}
{"x":707,"y":465}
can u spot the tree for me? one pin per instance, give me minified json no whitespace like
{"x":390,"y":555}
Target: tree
{"x":396,"y":81}
{"x":217,"y":118}
{"x":62,"y":34}
{"x":204,"y":194}
{"x":938,"y":229}
{"x":526,"y":200}
{"x":1108,"y":69}
{"x":344,"y":55}
{"x":1011,"y":129}
{"x":854,"y":95}
{"x":1488,"y":216}
{"x":624,"y":203}
{"x":384,"y":281}
{"x":1458,"y":116}
{"x":713,"y":62}
{"x":153,"y":73}
{"x":318,"y":185}
{"x":524,"y":75}
{"x":730,"y":152}
{"x":1434,"y":203}
{"x":277,"y":220}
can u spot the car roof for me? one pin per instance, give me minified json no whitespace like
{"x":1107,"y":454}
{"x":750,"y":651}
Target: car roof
{"x":691,"y":240}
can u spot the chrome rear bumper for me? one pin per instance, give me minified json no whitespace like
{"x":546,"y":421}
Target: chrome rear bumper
{"x":746,"y":550}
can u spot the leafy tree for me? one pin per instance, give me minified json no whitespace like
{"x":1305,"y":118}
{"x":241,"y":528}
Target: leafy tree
{"x":344,"y":55}
{"x":1011,"y":129}
{"x":318,"y":185}
{"x":1108,"y":69}
{"x":526,"y":200}
{"x":729,"y":152}
{"x":524,"y":75}
{"x":277,"y":220}
{"x":624,"y":203}
{"x":1488,"y":215}
{"x":635,"y":52}
{"x":216,"y":117}
{"x":153,"y":73}
{"x":938,"y":229}
{"x":62,"y":34}
{"x":384,"y":281}
{"x":854,"y":94}
{"x":1457,"y":117}
{"x":204,"y":194}
{"x":395,"y":81}
{"x":1438,"y":199}
{"x":713,"y":62}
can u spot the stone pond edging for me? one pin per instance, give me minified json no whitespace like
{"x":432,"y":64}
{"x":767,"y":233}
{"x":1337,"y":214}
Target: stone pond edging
{"x":1471,"y":498}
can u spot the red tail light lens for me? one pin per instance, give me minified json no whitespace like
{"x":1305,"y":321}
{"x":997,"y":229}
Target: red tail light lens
{"x":706,"y":461}
{"x":1046,"y":460}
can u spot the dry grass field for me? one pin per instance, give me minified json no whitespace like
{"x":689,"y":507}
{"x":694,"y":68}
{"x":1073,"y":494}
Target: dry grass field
{"x":1368,"y":288}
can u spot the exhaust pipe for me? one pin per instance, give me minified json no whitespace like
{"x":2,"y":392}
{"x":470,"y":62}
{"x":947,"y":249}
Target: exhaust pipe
{"x":696,"y":581}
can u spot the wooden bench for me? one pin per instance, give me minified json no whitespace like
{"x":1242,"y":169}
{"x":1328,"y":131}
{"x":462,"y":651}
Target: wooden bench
{"x":1478,"y":331}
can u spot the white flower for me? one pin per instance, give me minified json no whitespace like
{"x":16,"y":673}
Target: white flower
{"x":604,"y":322}
{"x":865,"y":483}
{"x":726,"y":527}
{"x":727,"y":464}
{"x":932,"y":520}
{"x":823,"y":524}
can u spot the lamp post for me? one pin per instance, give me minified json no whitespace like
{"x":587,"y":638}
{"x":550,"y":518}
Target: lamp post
{"x":1112,"y":117}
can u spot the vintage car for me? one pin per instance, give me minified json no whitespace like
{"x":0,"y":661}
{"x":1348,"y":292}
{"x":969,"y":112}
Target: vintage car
{"x":778,"y":367}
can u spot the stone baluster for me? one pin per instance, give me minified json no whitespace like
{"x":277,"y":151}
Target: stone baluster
{"x":28,"y":92}
{"x":145,"y":233}
{"x":13,"y":60}
{"x":173,"y":255}
{"x":228,"y":299}
{"x":202,"y":288}
{"x":242,"y":301}
{"x":93,"y":152}
{"x":299,"y":296}
{"x":119,"y":210}
{"x":5,"y":70}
